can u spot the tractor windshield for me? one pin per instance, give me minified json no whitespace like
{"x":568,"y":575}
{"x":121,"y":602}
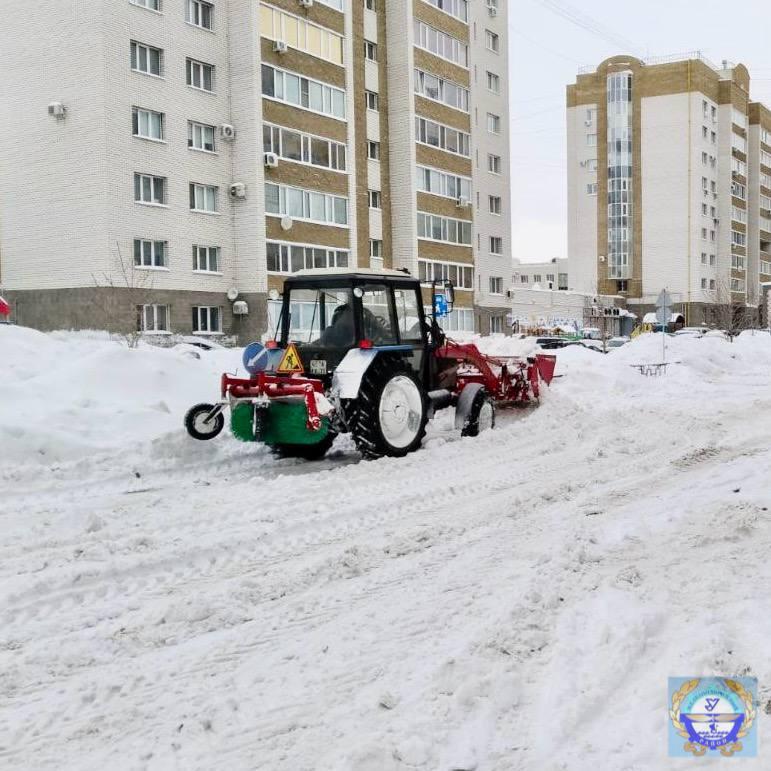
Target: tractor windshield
{"x":321,"y":318}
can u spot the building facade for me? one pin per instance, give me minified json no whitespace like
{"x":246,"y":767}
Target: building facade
{"x":553,"y":274}
{"x":669,"y":174}
{"x":186,"y":155}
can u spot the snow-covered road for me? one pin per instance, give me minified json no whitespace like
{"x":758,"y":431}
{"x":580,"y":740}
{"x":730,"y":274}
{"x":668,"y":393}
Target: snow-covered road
{"x":515,"y":601}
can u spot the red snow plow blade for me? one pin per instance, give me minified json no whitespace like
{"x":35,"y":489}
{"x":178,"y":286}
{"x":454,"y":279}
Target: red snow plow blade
{"x":546,"y":365}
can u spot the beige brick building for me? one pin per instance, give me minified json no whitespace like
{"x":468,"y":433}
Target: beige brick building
{"x":669,"y":185}
{"x":170,"y":161}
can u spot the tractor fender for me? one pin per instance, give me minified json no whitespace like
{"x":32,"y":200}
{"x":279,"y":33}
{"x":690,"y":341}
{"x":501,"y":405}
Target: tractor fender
{"x":349,"y":373}
{"x":465,"y":403}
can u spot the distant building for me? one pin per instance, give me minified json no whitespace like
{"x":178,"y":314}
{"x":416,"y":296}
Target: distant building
{"x":546,"y":275}
{"x":669,"y":184}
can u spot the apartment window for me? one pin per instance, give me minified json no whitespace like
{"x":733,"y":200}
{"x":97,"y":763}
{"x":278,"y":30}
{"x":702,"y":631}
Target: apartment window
{"x":440,"y":43}
{"x":370,"y":50}
{"x":705,"y":183}
{"x":493,"y":82}
{"x":591,"y":188}
{"x":704,"y":234}
{"x":740,"y":215}
{"x":549,"y":278}
{"x":493,"y":123}
{"x":442,"y":183}
{"x":301,"y":34}
{"x":203,"y":198}
{"x":739,"y":143}
{"x":703,"y":258}
{"x":704,"y":132}
{"x":765,"y":158}
{"x":738,"y":191}
{"x":200,"y":75}
{"x":283,"y":200}
{"x":440,"y":90}
{"x":738,"y":239}
{"x":765,"y":267}
{"x":712,"y":236}
{"x":375,"y":249}
{"x":704,"y":209}
{"x":149,"y":254}
{"x":429,"y":132}
{"x":284,"y":257}
{"x":206,"y":259}
{"x":737,"y":262}
{"x":200,"y":14}
{"x":207,"y":319}
{"x":153,"y":5}
{"x":765,"y":180}
{"x":303,"y":92}
{"x":147,"y":124}
{"x":496,"y":285}
{"x":536,"y":278}
{"x":492,"y":41}
{"x":436,"y":228}
{"x":738,"y":167}
{"x":496,"y":245}
{"x":303,"y":148}
{"x":712,"y":260}
{"x":704,"y":159}
{"x":713,"y":137}
{"x":713,"y":187}
{"x":562,"y":281}
{"x":765,"y":202}
{"x":765,"y":137}
{"x":149,"y":189}
{"x":739,"y":118}
{"x":373,"y":150}
{"x":146,"y":59}
{"x":494,"y":163}
{"x":494,"y":204}
{"x":153,"y":318}
{"x":705,"y":108}
{"x":703,"y":284}
{"x":372,"y":100}
{"x":200,"y":137}
{"x":456,"y":8}
{"x":738,"y":285}
{"x":591,"y":140}
{"x":714,"y":113}
{"x":370,"y":5}
{"x":462,"y":276}
{"x":712,"y":283}
{"x":375,"y":199}
{"x":524,"y":279}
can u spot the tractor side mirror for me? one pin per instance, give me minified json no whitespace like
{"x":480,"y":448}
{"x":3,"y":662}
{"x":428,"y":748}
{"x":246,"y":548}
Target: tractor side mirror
{"x":449,"y":293}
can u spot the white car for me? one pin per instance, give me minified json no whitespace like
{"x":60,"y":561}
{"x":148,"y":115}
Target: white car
{"x":693,"y":331}
{"x":617,"y":342}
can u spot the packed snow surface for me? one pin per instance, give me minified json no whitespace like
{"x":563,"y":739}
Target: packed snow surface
{"x":515,"y":601}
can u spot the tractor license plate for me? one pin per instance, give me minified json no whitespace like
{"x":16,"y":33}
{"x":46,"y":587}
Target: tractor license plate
{"x":318,"y":367}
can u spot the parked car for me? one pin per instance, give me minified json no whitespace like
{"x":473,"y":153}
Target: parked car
{"x":617,"y":342}
{"x":551,"y":343}
{"x":692,"y":331}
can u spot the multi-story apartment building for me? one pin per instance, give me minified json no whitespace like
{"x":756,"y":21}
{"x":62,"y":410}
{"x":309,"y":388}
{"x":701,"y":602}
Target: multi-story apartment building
{"x":669,"y":167}
{"x":169,"y":162}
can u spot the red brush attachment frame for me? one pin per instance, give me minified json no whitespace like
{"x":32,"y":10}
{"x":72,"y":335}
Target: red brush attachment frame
{"x":272,"y":386}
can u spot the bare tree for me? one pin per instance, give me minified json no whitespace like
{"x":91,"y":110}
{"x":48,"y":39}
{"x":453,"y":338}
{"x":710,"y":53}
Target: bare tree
{"x":728,"y":313}
{"x":122,"y":294}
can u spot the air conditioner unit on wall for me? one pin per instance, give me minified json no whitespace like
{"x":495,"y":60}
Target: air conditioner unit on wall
{"x":58,"y":110}
{"x":238,"y":190}
{"x":271,"y":160}
{"x":227,"y":131}
{"x":280,"y":47}
{"x":306,"y":3}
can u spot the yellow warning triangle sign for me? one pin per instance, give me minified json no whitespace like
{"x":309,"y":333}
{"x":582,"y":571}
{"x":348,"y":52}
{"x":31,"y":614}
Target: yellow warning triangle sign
{"x":290,"y":362}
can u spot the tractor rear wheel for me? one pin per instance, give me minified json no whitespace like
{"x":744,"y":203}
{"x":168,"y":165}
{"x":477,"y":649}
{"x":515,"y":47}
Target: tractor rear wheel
{"x":390,"y":414}
{"x":482,"y":414}
{"x":306,"y":451}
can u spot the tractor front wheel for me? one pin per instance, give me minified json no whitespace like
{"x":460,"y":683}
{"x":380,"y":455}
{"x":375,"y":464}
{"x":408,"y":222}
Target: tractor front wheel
{"x":390,"y":415}
{"x":200,"y":426}
{"x":482,"y":414}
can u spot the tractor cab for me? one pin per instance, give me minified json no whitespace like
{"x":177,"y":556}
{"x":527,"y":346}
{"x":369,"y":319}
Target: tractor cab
{"x":325,"y":315}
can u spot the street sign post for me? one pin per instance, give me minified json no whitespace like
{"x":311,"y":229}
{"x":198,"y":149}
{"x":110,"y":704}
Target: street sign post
{"x":664,"y":316}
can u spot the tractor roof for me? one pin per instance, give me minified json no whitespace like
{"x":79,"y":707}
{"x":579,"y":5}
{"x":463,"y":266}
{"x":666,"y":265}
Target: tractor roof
{"x":364,"y":274}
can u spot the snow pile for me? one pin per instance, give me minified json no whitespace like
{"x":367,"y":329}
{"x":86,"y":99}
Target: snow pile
{"x":513,"y":601}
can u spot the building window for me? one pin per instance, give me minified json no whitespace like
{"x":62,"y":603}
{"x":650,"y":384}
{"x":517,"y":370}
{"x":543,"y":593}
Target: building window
{"x":336,"y":4}
{"x":456,"y":8}
{"x":372,"y":100}
{"x":200,"y":75}
{"x":442,"y":183}
{"x":738,"y":191}
{"x":494,"y":163}
{"x":739,"y":215}
{"x":524,"y":279}
{"x":373,"y":150}
{"x":703,"y":285}
{"x":765,"y":267}
{"x":200,"y":137}
{"x":436,"y":228}
{"x":492,"y":41}
{"x":153,"y":5}
{"x":738,"y":239}
{"x":703,"y":258}
{"x":375,"y":199}
{"x":149,"y":254}
{"x":149,"y":189}
{"x":704,"y":132}
{"x":494,"y":203}
{"x":370,"y":50}
{"x":301,"y":34}
{"x":712,"y":260}
{"x":206,"y":259}
{"x":440,"y":90}
{"x":146,"y":59}
{"x":286,"y":257}
{"x":147,"y":124}
{"x":496,"y":285}
{"x":200,"y":14}
{"x":536,"y":278}
{"x":440,"y":43}
{"x":153,"y":318}
{"x":285,"y":201}
{"x":303,"y":92}
{"x":462,"y":276}
{"x":713,"y":137}
{"x":303,"y":148}
{"x":370,"y":5}
{"x":496,"y":245}
{"x":375,"y":249}
{"x":738,"y":285}
{"x":592,"y":188}
{"x":591,"y":140}
{"x":203,"y":198}
{"x":562,"y":281}
{"x":429,"y":132}
{"x":207,"y":319}
{"x":493,"y":123}
{"x":737,"y":262}
{"x":493,"y":82}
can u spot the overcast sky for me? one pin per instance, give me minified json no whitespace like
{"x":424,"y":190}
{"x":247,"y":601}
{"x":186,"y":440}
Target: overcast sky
{"x":546,"y":51}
